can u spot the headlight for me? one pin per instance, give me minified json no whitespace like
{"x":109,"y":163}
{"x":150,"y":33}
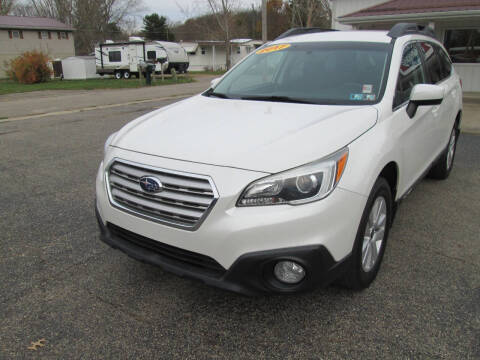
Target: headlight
{"x":107,"y":143}
{"x":301,"y":185}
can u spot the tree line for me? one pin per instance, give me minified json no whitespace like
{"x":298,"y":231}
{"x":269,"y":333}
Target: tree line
{"x":98,"y":20}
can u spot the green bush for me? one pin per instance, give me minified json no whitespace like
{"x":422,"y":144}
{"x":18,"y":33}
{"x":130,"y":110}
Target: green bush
{"x":29,"y":68}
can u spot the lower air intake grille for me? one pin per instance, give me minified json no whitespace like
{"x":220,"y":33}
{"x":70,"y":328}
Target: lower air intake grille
{"x":188,"y":258}
{"x":184,"y":201}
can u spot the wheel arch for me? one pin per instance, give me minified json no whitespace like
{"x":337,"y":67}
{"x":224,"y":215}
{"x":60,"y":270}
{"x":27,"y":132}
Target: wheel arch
{"x":458,"y":119}
{"x":390,"y":173}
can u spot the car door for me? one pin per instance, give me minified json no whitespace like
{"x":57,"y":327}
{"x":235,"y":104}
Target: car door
{"x":439,"y":68}
{"x":415,"y":136}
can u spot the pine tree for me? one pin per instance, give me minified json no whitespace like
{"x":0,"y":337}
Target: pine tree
{"x":155,"y":27}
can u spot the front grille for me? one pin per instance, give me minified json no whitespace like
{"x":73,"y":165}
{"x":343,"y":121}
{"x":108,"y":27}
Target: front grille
{"x":185,"y":201}
{"x":185,"y":257}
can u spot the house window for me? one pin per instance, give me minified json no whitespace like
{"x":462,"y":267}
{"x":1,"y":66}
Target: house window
{"x":238,"y":50}
{"x":43,"y":34}
{"x":114,"y":56}
{"x":16,"y":34}
{"x":204,"y":51}
{"x":463,"y":45}
{"x":63,"y":35}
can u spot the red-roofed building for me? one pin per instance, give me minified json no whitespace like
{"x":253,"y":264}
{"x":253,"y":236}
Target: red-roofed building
{"x":19,"y":34}
{"x":455,"y":22}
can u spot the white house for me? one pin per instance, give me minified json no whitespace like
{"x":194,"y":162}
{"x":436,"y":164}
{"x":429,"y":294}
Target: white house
{"x":211,"y":55}
{"x":455,"y":22}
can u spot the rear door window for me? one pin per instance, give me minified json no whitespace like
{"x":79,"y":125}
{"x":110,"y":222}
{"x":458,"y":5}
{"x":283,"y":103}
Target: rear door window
{"x":411,"y":73}
{"x":433,"y":63}
{"x":445,"y":62}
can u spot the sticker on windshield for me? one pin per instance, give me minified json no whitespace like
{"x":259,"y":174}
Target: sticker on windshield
{"x":367,"y":89}
{"x":273,"y":48}
{"x":356,"y":97}
{"x":363,"y":97}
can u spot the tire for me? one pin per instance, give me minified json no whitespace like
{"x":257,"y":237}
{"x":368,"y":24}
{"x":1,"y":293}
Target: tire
{"x":118,"y":75}
{"x":443,"y":167}
{"x":126,"y":75}
{"x":364,"y":265}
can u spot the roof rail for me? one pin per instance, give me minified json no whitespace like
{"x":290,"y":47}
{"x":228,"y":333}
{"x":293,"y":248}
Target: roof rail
{"x":301,"y":31}
{"x":402,"y":29}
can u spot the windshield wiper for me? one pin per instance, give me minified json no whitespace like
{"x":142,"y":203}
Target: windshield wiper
{"x":219,"y":95}
{"x":278,"y":99}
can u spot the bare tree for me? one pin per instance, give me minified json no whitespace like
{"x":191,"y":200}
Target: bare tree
{"x":223,"y":11}
{"x":309,"y":13}
{"x":6,"y":6}
{"x":93,"y":20}
{"x":56,"y":9}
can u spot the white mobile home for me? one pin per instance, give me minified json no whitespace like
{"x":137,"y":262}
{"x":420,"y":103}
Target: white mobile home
{"x":211,"y":55}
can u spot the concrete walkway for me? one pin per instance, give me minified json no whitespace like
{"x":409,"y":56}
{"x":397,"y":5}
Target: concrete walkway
{"x":58,"y":101}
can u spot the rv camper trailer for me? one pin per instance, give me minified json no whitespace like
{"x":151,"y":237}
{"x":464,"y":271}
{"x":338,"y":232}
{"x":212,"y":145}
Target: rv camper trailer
{"x":123,"y":59}
{"x":177,"y":56}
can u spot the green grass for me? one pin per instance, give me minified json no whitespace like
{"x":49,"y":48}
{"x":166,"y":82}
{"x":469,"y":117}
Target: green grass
{"x":217,"y":72}
{"x":11,"y":87}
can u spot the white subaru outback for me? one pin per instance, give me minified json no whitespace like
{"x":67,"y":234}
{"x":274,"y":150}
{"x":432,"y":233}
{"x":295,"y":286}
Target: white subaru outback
{"x":285,"y":174}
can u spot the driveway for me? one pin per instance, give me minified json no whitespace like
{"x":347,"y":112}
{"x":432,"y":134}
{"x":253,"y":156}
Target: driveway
{"x":60,"y":283}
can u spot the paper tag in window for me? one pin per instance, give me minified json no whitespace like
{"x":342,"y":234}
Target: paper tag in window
{"x":273,"y":48}
{"x":367,"y":89}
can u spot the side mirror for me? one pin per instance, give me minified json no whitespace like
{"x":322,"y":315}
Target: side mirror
{"x":424,"y":95}
{"x":214,"y":82}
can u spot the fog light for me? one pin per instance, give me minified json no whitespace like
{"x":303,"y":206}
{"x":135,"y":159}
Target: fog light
{"x":289,"y":272}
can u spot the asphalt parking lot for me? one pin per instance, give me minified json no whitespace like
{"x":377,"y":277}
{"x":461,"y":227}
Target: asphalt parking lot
{"x":60,"y":283}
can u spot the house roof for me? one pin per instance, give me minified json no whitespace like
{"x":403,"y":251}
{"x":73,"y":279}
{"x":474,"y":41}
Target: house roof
{"x":33,"y":23}
{"x":403,"y":7}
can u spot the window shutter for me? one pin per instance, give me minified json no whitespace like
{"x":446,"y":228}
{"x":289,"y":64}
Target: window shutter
{"x":49,"y":35}
{"x":39,"y":34}
{"x":59,"y":36}
{"x":66,"y":32}
{"x":10,"y":34}
{"x":21,"y":34}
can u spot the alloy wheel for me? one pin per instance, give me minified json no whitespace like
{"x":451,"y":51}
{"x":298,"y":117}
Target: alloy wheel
{"x":374,"y":234}
{"x":451,"y":149}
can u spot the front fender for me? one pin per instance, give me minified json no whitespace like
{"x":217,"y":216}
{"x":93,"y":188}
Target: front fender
{"x":368,"y":156}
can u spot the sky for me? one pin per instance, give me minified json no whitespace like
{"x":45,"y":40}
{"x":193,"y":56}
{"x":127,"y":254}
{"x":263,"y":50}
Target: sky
{"x":172,"y":9}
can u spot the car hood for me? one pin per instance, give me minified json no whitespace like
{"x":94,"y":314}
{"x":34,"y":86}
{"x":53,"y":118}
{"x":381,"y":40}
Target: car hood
{"x":254,"y":135}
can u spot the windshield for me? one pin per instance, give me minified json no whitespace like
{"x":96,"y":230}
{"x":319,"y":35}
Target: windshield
{"x":318,"y":73}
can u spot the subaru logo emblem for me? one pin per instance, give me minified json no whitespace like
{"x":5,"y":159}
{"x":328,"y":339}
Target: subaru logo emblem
{"x":150,"y":184}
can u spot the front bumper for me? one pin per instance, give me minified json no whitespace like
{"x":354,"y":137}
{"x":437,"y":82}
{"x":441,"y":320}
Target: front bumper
{"x":243,"y":241}
{"x":251,"y":274}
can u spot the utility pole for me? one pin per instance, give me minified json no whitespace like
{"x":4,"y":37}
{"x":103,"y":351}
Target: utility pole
{"x":264,"y":21}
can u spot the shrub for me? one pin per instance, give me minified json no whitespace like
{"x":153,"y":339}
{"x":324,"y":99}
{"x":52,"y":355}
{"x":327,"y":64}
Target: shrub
{"x":29,"y":68}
